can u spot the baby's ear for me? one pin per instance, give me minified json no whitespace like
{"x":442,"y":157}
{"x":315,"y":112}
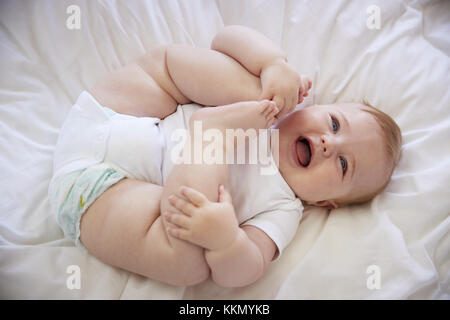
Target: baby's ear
{"x":329,"y":204}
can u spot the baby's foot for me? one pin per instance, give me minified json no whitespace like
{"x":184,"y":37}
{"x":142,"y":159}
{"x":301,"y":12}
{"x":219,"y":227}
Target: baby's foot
{"x":240,"y":115}
{"x":236,"y":121}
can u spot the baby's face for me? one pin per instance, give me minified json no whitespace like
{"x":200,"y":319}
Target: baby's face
{"x":329,"y":153}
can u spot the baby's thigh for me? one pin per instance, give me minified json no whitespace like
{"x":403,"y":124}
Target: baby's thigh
{"x":123,"y":228}
{"x":119,"y":219}
{"x":130,"y":90}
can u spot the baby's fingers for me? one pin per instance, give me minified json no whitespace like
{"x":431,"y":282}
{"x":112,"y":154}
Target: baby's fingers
{"x":177,"y":219}
{"x":302,"y":93}
{"x":270,"y":112}
{"x":179,"y":233}
{"x":306,"y":86}
{"x":197,"y":198}
{"x":279,"y":103}
{"x":309,"y":84}
{"x":181,"y":204}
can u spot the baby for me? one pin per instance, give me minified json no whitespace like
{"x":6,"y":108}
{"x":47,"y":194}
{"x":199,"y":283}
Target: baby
{"x":118,"y":191}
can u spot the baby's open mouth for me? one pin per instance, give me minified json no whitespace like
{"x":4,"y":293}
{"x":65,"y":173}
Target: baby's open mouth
{"x":303,"y":151}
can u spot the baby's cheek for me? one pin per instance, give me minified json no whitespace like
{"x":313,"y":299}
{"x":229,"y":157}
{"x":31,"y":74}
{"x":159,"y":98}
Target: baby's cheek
{"x":319,"y":183}
{"x":326,"y":182}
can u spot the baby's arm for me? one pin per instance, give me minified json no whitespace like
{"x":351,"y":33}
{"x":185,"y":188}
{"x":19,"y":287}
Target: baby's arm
{"x":252,"y":49}
{"x":243,"y":262}
{"x":261,"y":57}
{"x":236,"y":256}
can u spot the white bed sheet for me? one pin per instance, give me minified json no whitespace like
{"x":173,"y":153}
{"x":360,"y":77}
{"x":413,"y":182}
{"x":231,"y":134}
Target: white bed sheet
{"x":403,"y":68}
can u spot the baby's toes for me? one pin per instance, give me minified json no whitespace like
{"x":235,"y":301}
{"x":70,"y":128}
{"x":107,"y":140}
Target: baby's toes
{"x":263,"y":107}
{"x":267,"y":108}
{"x":272,"y":114}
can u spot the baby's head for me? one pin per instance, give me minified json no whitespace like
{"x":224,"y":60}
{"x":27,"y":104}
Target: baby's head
{"x":338,"y":154}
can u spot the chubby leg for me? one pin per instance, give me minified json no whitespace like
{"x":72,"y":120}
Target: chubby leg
{"x":155,"y":83}
{"x":123,"y":228}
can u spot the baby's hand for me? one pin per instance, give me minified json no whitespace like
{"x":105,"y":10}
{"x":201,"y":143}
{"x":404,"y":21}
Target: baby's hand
{"x":211,"y":225}
{"x":282,"y":84}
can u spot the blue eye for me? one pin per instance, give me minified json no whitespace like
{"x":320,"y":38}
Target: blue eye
{"x":335,"y":124}
{"x":343,"y":164}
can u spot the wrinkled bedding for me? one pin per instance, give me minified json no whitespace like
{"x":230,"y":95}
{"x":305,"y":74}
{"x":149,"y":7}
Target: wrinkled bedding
{"x":401,"y":237}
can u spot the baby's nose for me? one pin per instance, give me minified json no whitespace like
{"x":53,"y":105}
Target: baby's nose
{"x":327,"y":146}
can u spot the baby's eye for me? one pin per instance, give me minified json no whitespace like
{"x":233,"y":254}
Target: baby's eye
{"x":343,"y":164}
{"x":335,"y":124}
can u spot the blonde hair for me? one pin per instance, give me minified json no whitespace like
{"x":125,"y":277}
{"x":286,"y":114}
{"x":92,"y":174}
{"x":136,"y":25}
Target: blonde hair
{"x":392,"y":138}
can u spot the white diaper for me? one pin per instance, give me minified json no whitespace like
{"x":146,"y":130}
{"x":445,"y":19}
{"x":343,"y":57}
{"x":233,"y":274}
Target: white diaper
{"x":93,"y":134}
{"x":96,"y":148}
